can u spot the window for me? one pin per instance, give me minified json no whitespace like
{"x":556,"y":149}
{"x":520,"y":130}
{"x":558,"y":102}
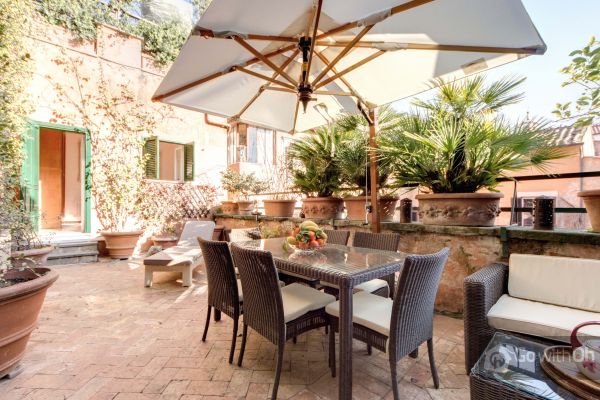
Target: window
{"x":259,"y":148}
{"x":169,"y":161}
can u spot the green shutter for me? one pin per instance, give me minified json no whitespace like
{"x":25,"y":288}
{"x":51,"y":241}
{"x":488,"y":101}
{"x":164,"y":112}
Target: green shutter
{"x":188,"y":162}
{"x":30,"y":173}
{"x":151,"y":155}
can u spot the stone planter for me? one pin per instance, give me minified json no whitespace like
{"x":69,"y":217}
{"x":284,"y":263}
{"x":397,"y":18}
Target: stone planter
{"x":39,"y":256}
{"x":279,"y":208}
{"x":229,"y":207}
{"x":323,"y":207}
{"x":20,"y":306}
{"x":591,"y":199}
{"x":464,"y":209}
{"x":355,"y":206}
{"x":165,"y":241}
{"x":120,"y":245}
{"x":245,"y":207}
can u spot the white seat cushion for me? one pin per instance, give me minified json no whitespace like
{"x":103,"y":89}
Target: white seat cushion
{"x":369,"y":310}
{"x":563,"y":281}
{"x":299,"y":299}
{"x":369,"y":286}
{"x":540,"y":319}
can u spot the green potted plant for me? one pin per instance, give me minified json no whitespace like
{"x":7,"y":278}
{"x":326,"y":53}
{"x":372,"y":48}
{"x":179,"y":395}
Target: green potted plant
{"x":353,"y":158}
{"x":241,"y":186}
{"x":316,"y":172}
{"x":280,"y":203}
{"x":457,"y":144}
{"x":230,"y":181}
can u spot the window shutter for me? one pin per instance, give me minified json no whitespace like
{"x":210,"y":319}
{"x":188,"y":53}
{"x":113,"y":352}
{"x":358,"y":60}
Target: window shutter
{"x":151,"y":156}
{"x":188,"y":162}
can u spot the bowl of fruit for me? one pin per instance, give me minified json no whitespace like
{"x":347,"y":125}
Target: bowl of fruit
{"x":306,"y":237}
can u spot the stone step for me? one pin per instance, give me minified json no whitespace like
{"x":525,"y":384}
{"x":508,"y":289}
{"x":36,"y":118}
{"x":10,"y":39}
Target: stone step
{"x":74,"y":252}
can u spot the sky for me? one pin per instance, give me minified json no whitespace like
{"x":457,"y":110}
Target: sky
{"x":564,"y":26}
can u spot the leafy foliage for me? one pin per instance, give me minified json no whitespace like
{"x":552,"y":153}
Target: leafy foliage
{"x":242,"y":185}
{"x":315,"y":167}
{"x":584,"y":71}
{"x":162,"y":40}
{"x":15,"y":72}
{"x":353,"y":152}
{"x":456,"y":143}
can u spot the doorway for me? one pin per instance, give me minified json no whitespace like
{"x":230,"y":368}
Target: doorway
{"x":55,"y":178}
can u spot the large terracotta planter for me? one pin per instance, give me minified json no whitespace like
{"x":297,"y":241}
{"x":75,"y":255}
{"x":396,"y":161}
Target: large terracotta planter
{"x":355,"y":206}
{"x":323,"y":207}
{"x":229,"y":207}
{"x":465,"y":209}
{"x":39,"y":256}
{"x":591,"y":199}
{"x":120,"y":245}
{"x":245,"y":207}
{"x":279,"y":208}
{"x":20,"y":306}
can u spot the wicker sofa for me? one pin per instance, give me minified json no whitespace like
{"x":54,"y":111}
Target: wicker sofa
{"x":541,"y":297}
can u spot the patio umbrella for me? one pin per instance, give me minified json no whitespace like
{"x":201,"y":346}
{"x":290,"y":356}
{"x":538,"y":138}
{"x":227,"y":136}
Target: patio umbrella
{"x":294,"y":65}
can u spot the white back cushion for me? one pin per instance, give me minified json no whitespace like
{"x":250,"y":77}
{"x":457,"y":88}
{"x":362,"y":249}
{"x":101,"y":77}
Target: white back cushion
{"x":563,"y":281}
{"x":194,"y":229}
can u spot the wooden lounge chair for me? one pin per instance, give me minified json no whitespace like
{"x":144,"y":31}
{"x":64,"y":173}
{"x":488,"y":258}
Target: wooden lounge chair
{"x":184,"y":257}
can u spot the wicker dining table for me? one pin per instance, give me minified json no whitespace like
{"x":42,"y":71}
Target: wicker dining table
{"x":343,"y":266}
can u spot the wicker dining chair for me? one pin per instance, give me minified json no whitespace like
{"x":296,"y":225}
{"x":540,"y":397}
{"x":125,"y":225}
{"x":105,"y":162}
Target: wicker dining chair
{"x":224,"y":294}
{"x":378,"y":241}
{"x":277,"y":313}
{"x":406,"y":321}
{"x":337,"y":236}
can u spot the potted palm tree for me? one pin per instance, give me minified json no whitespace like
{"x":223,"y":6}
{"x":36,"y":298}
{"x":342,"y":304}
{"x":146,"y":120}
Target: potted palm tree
{"x":457,"y":144}
{"x":353,"y":158}
{"x":316,"y":172}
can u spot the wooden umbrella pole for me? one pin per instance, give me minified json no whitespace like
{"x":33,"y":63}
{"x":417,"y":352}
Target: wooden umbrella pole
{"x":375,"y":220}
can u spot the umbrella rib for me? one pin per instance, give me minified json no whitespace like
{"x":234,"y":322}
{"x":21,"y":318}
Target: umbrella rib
{"x":313,"y":41}
{"x":345,"y":51}
{"x":350,"y":68}
{"x":209,"y":33}
{"x":343,"y":80}
{"x":266,"y":86}
{"x":264,"y":77}
{"x":264,"y":59}
{"x":438,"y":47}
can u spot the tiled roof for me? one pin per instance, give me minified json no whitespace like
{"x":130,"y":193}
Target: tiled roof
{"x":568,"y":135}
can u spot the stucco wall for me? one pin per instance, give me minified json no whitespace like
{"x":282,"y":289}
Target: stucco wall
{"x":470,"y":248}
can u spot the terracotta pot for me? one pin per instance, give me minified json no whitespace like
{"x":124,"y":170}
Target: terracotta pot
{"x":591,"y":199}
{"x":245,"y":207}
{"x":465,"y":209}
{"x":20,"y":306}
{"x":120,"y":245}
{"x":39,"y":256}
{"x":323,"y":207}
{"x":229,"y":207}
{"x":279,"y":208}
{"x":355,"y":206}
{"x":165,"y":241}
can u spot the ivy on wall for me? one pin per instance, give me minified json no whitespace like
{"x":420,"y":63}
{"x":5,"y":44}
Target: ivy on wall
{"x":162,"y":40}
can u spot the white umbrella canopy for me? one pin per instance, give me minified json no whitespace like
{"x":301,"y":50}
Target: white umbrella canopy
{"x":244,"y":59}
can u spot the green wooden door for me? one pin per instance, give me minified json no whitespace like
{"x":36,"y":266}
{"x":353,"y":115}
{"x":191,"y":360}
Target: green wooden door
{"x":30,"y":173}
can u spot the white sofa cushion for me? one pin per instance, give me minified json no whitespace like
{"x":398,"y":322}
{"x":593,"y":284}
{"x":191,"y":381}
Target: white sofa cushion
{"x":540,"y":319}
{"x":369,"y":310}
{"x":299,"y":299}
{"x":369,"y":286}
{"x":563,"y":281}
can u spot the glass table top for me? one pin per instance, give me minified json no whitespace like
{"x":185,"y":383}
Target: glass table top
{"x":515,"y":361}
{"x":341,"y":260}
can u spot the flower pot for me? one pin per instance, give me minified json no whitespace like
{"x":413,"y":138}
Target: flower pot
{"x":229,"y":207}
{"x":323,"y":207}
{"x":355,"y":206}
{"x":245,"y":207}
{"x":39,"y":255}
{"x":120,"y":245}
{"x":279,"y":208}
{"x":20,"y":306}
{"x":465,"y":209}
{"x":165,"y":241}
{"x":591,"y":199}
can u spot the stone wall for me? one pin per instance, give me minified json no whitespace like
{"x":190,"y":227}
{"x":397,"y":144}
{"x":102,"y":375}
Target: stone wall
{"x":470,"y":248}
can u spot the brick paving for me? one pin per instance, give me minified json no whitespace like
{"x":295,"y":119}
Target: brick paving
{"x":103,"y":336}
